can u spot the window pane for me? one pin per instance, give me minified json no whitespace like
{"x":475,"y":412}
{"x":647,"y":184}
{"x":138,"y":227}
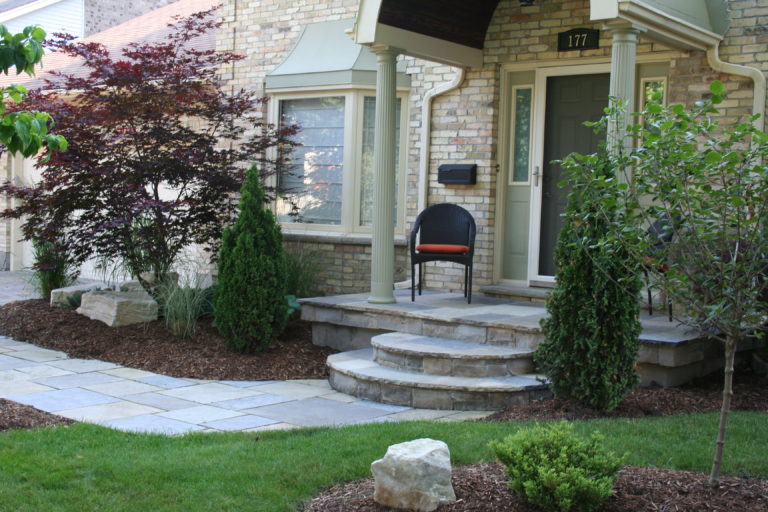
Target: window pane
{"x":522,"y":135}
{"x":313,"y":181}
{"x":653,"y":91}
{"x":366,"y":166}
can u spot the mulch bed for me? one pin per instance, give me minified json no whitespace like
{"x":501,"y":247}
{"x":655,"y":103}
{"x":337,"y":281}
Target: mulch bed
{"x":479,"y":487}
{"x":154,"y":348}
{"x":483,"y":488}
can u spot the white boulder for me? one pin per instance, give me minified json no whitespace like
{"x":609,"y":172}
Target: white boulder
{"x":118,"y":308}
{"x":415,"y":476}
{"x":60,"y":296}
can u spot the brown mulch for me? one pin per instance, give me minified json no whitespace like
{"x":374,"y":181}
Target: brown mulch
{"x":483,"y":488}
{"x":701,"y":395}
{"x":13,"y":415}
{"x":153,"y":347}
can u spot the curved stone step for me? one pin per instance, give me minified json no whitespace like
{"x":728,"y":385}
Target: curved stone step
{"x":443,"y":356}
{"x":356,"y":373}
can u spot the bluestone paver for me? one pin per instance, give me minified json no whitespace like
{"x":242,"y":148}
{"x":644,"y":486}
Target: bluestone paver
{"x":63,"y":399}
{"x":163,"y":381}
{"x":240,"y":423}
{"x":313,"y":412}
{"x":207,"y":393}
{"x":106,"y":412}
{"x":200,"y":414}
{"x":252,"y":401}
{"x":153,"y":424}
{"x":77,"y":380}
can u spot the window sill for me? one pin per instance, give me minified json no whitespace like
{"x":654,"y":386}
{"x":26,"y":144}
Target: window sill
{"x":336,"y":238}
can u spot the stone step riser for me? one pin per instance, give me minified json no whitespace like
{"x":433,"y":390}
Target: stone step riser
{"x":442,"y":365}
{"x":425,"y":398}
{"x":362,"y":326}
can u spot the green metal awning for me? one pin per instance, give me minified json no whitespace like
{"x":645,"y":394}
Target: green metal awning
{"x":324,"y":55}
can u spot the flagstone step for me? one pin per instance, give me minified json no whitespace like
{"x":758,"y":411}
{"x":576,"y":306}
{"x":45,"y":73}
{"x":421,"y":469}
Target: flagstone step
{"x":443,"y":356}
{"x":356,"y":373}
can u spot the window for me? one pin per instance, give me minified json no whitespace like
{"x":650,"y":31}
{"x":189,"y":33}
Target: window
{"x":329,"y":184}
{"x":521,"y":134}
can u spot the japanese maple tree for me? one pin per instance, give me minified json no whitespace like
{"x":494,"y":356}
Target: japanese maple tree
{"x":157,"y":147}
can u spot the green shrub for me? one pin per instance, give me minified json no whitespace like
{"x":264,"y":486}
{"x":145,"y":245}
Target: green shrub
{"x":591,"y":335}
{"x":53,"y":267}
{"x":550,"y":466}
{"x":183,"y":305}
{"x":250,"y":307}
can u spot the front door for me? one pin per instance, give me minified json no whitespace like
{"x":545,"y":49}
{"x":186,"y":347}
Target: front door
{"x":570,"y":101}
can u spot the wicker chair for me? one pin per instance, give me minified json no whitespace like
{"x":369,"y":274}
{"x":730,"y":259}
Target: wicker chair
{"x":446,"y":232}
{"x":659,"y":234}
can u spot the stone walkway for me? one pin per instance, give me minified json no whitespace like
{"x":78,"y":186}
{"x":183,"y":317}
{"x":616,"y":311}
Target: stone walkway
{"x":139,"y":401}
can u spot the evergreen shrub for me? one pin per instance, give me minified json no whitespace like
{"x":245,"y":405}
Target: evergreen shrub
{"x":250,"y":307}
{"x":591,"y":334}
{"x":550,"y":466}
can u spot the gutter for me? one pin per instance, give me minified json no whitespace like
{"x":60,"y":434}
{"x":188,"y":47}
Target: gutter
{"x":757,"y":76}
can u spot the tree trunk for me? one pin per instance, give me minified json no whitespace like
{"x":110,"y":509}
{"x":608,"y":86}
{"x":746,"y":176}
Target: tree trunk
{"x":730,"y":356}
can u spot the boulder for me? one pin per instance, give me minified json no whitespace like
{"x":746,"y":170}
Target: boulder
{"x":60,"y":296}
{"x":415,"y":476}
{"x":118,"y":308}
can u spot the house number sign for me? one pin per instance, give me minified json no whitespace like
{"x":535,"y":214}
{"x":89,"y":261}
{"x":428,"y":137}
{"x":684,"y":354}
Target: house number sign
{"x":578,"y":39}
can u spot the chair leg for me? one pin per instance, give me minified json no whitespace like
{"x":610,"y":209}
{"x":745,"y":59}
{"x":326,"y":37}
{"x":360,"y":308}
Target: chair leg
{"x":469,"y":288}
{"x":669,"y":305}
{"x":421,"y":277}
{"x":648,"y":288}
{"x":466,"y":278}
{"x":413,"y":282}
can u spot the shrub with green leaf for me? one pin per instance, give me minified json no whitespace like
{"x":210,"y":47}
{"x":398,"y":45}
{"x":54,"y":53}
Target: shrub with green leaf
{"x":591,"y":335}
{"x":250,"y":305}
{"x":53,"y":267}
{"x":182,"y":305}
{"x":554,"y":468}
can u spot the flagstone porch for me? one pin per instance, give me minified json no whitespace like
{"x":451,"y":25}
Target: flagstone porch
{"x":447,"y":354}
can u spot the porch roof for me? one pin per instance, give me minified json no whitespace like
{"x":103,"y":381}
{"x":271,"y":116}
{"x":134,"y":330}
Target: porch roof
{"x":453,"y":31}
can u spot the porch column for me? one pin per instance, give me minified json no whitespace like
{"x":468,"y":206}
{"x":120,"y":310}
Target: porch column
{"x":622,"y":85}
{"x":383,"y":242}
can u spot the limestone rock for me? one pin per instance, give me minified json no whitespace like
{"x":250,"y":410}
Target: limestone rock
{"x":118,"y":308}
{"x":133,"y":286}
{"x":149,"y":277}
{"x":415,"y":476}
{"x":60,"y":296}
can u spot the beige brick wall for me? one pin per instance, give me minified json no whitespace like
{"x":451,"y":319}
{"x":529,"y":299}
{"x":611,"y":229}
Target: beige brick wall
{"x":465,"y":122}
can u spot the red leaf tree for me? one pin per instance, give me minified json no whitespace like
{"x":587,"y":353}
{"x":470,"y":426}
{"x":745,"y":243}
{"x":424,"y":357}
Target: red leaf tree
{"x":157,"y":147}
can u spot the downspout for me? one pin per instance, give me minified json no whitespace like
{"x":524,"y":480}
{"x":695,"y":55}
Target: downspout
{"x":757,"y":76}
{"x":426,"y":137}
{"x":426,"y":132}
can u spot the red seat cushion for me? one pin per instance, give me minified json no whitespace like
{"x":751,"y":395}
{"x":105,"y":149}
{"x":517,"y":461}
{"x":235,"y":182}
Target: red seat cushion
{"x":443,"y":248}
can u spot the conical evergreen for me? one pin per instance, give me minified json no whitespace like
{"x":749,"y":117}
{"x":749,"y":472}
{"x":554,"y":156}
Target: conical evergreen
{"x":250,"y":306}
{"x":592,"y":332}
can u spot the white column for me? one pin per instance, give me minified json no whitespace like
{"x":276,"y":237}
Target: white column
{"x":622,"y":85}
{"x":384,"y":159}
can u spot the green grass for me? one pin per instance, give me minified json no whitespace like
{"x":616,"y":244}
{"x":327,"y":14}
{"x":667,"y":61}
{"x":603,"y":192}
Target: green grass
{"x":85,"y":467}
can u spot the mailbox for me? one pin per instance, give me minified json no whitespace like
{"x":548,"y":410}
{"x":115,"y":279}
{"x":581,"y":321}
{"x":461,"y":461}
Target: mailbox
{"x":457,"y":174}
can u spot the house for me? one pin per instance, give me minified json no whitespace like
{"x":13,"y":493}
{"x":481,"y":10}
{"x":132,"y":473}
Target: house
{"x":15,"y":254}
{"x":501,"y":84}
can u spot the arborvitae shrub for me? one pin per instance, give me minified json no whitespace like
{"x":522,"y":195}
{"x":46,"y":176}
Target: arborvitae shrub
{"x":591,"y":335}
{"x":250,"y":304}
{"x":550,"y":466}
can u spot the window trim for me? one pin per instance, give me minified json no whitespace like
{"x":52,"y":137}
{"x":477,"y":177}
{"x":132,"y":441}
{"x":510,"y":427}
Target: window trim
{"x":353,"y":152}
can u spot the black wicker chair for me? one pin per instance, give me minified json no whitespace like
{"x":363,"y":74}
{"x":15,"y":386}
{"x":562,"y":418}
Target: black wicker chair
{"x":659,"y":234}
{"x":446,"y":232}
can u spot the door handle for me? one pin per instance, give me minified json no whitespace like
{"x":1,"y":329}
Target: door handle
{"x":536,"y":175}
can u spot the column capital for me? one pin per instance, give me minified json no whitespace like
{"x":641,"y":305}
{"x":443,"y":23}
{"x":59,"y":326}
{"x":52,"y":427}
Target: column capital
{"x":383,"y":50}
{"x":623,"y":27}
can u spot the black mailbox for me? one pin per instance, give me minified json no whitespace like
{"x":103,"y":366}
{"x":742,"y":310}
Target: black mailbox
{"x":457,"y":174}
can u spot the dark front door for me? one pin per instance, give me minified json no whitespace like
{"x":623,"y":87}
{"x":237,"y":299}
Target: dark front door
{"x":571,"y":100}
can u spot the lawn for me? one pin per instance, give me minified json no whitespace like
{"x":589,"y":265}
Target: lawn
{"x":86,"y":467}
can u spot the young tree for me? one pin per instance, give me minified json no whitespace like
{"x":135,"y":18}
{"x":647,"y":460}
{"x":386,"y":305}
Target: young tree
{"x":591,"y":334}
{"x":156,"y":150}
{"x":712,"y":183}
{"x":250,"y":306}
